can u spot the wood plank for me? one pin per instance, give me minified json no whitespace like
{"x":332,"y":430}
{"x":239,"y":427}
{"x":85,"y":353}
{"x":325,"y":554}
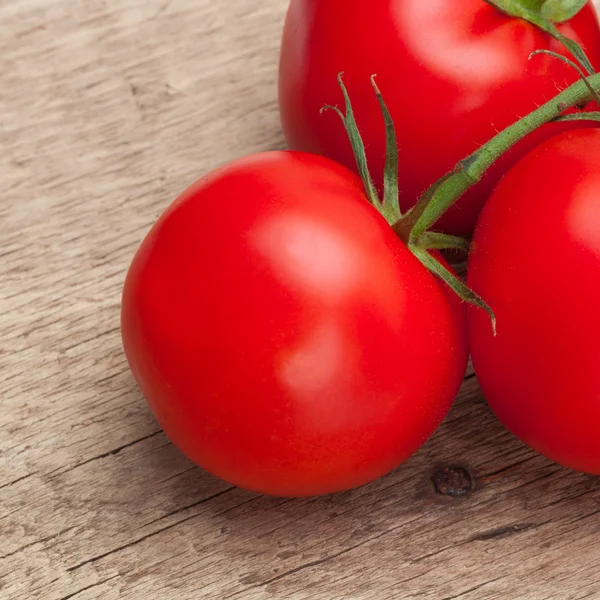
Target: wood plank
{"x":107,"y":112}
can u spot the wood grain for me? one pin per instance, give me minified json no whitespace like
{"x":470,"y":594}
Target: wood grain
{"x":107,"y":112}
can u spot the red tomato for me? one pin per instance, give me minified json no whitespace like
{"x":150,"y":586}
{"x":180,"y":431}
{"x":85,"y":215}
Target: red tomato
{"x":536,"y":261}
{"x":285,"y":338}
{"x":453,"y":73}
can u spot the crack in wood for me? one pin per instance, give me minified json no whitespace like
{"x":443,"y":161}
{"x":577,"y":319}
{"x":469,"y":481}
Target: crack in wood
{"x":504,"y":469}
{"x":113,"y":452}
{"x":113,"y":376}
{"x":541,"y":477}
{"x":315,"y":563}
{"x":505,"y":531}
{"x":45,"y":585}
{"x":176,"y":475}
{"x":187,"y":507}
{"x":149,"y":535}
{"x":40,"y":541}
{"x":232,"y":508}
{"x":91,"y":339}
{"x":572,"y":497}
{"x":5,"y":485}
{"x":500,"y":532}
{"x":440,"y":551}
{"x":473,"y":589}
{"x":585,"y":517}
{"x":88,"y":587}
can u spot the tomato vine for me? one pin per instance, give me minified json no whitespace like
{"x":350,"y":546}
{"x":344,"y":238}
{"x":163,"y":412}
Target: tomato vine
{"x":414,"y":227}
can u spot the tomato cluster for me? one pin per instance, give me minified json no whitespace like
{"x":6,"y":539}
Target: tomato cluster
{"x":292,"y":324}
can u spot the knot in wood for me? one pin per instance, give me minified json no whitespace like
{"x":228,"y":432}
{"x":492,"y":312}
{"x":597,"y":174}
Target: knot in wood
{"x":453,"y":481}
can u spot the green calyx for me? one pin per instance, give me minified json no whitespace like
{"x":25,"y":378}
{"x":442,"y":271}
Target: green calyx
{"x":554,"y":11}
{"x":388,"y":206}
{"x":546,"y":14}
{"x":559,"y":11}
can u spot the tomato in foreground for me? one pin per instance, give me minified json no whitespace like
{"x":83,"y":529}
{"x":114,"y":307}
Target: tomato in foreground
{"x":285,"y":338}
{"x":536,"y":261}
{"x":453,"y":73}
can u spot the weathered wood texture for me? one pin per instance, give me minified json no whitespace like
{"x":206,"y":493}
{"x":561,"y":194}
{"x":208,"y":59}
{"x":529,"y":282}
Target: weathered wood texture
{"x":107,"y":111}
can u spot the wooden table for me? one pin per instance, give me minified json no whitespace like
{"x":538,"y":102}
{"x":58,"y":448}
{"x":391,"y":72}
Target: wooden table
{"x":107,"y":111}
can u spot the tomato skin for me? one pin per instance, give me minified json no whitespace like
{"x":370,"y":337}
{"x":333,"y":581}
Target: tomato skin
{"x":453,"y":74}
{"x":285,"y":338}
{"x":536,"y":260}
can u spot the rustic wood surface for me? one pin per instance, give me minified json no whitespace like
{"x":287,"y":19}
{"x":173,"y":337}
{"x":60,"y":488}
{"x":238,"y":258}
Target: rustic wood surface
{"x":107,"y":111}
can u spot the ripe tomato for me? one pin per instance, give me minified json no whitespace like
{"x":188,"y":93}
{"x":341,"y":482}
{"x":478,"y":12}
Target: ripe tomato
{"x":285,"y":338}
{"x":453,"y":73}
{"x":536,"y":261}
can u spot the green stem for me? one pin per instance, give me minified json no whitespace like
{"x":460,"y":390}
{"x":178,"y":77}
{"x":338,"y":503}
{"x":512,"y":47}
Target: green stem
{"x":469,"y":171}
{"x":431,"y":240}
{"x":583,"y":116}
